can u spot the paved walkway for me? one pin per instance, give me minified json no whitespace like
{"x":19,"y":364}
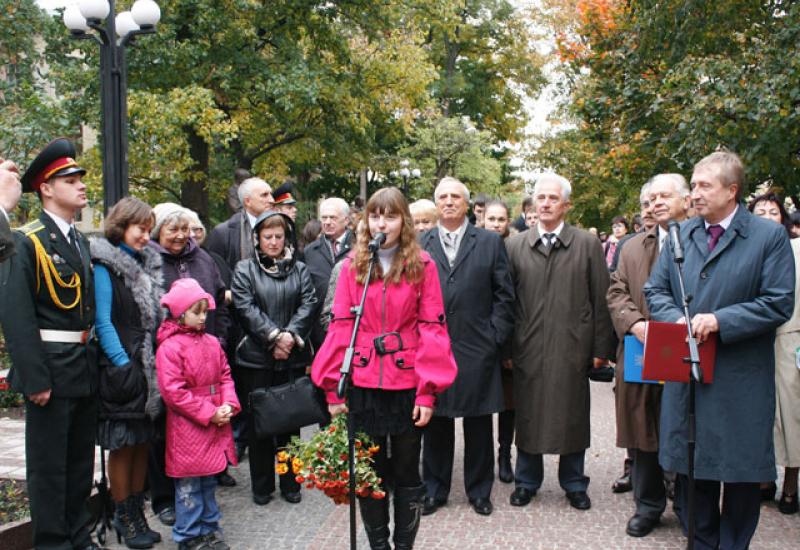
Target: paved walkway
{"x":548,"y":522}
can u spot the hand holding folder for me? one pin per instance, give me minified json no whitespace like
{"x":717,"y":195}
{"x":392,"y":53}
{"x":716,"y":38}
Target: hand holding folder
{"x":666,"y":354}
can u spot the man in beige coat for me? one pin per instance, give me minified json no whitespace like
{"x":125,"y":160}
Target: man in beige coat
{"x":639,"y":405}
{"x":562,"y":329}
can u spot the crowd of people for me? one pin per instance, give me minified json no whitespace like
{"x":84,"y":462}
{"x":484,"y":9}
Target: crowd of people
{"x":149,"y":339}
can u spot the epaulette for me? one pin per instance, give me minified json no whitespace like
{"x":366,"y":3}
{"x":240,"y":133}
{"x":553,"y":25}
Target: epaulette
{"x":31,"y":227}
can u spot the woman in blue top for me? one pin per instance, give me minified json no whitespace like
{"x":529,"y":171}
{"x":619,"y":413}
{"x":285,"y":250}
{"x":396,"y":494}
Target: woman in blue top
{"x":128,"y":288}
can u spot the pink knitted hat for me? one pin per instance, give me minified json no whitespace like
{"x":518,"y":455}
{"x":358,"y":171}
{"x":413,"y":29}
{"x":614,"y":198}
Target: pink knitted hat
{"x":183,"y":294}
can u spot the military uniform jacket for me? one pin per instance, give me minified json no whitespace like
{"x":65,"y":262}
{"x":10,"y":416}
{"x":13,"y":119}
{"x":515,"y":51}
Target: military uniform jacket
{"x":35,"y":295}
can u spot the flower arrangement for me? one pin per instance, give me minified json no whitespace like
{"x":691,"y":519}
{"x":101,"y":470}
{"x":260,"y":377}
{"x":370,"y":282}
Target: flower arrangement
{"x":321,"y":462}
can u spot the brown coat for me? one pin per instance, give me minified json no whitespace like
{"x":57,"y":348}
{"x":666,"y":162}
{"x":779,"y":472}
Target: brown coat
{"x":638,"y":405}
{"x":561,"y":323}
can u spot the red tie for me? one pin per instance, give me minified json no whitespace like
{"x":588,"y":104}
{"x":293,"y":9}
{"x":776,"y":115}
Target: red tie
{"x":715,"y":231}
{"x":334,"y":247}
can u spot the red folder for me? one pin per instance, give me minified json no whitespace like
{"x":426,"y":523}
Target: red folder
{"x":665,"y":349}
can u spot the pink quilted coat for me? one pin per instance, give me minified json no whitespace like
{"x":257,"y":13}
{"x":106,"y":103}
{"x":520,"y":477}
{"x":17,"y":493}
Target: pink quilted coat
{"x":415,"y":311}
{"x":194,"y":379}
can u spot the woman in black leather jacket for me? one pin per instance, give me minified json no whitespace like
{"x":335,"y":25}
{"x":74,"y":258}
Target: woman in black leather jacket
{"x":274,"y":300}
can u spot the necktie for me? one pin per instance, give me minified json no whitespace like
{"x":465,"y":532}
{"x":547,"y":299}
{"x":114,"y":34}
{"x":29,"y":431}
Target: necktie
{"x":549,"y":239}
{"x":715,"y":232}
{"x":334,"y":247}
{"x":73,"y":240}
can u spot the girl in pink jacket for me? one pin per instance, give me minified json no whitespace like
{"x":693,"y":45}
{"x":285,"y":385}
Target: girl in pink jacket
{"x":402,"y":358}
{"x":195,"y":382}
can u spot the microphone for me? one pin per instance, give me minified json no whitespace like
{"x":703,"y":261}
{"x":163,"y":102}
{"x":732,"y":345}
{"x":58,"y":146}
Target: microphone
{"x":675,"y":239}
{"x":376,"y":243}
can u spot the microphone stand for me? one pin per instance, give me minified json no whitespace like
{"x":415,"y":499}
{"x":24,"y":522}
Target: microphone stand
{"x":695,"y":376}
{"x":345,"y":387}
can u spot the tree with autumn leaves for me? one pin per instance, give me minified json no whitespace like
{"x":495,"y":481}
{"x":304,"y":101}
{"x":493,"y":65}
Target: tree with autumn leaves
{"x":653,"y":87}
{"x":289,"y":88}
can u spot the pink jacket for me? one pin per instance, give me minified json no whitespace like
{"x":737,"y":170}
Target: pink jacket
{"x":194,"y":379}
{"x":415,"y":311}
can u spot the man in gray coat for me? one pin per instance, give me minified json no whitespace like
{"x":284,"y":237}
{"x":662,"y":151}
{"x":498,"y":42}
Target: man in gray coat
{"x":562,"y":329}
{"x":10,"y":192}
{"x":478,"y":298}
{"x":739,"y":270}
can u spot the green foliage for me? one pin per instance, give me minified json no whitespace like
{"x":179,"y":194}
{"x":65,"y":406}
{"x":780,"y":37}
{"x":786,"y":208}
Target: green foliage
{"x":654,"y":87}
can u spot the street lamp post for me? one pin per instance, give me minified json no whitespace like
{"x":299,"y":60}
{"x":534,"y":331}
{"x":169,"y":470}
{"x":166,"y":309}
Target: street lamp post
{"x":406,"y":174}
{"x":112,"y":37}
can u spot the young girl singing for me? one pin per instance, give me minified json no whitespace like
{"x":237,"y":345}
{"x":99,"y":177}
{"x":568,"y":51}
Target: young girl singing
{"x":403,"y":358}
{"x":196,"y":384}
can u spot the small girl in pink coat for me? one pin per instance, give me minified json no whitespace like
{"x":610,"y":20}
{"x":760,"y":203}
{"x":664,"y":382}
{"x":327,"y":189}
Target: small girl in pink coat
{"x":195,"y":382}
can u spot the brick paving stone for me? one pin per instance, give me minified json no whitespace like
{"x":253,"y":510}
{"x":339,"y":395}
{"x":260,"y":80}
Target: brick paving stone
{"x":547,"y":523}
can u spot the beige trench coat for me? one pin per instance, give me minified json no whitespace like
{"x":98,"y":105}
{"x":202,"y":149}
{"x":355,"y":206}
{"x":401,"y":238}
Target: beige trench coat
{"x":638,"y":405}
{"x":561,"y":322}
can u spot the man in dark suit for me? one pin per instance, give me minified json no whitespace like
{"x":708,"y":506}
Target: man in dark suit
{"x":739,"y":270}
{"x":519,"y":224}
{"x":321,"y":255}
{"x":47,"y":311}
{"x":10,"y":191}
{"x":478,"y":298}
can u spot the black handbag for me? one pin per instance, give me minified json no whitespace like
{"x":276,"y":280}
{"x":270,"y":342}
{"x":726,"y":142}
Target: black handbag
{"x":287,"y":407}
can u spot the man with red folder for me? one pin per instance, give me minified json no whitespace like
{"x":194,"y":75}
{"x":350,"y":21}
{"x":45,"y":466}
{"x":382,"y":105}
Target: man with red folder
{"x":638,"y":405}
{"x":739,"y":271}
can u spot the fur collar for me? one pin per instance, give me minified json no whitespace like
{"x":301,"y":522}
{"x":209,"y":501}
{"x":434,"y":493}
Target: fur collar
{"x":145,"y":280}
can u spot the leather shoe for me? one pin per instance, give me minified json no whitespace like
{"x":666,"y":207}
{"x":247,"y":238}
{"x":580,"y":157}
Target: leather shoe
{"x":261,"y":500}
{"x":430,"y":505}
{"x":225,"y":479}
{"x":167,"y":516}
{"x":641,"y":526}
{"x":788,"y":504}
{"x":521,"y":496}
{"x":482,"y":506}
{"x":579,"y":500}
{"x":292,"y":498}
{"x":623,"y":484}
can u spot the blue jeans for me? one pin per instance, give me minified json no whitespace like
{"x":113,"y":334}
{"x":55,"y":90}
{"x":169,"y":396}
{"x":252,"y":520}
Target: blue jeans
{"x":196,"y":511}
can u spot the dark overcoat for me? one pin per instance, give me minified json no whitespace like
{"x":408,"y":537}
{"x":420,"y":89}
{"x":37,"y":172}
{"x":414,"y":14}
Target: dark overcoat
{"x":747,"y":282}
{"x":318,"y":257}
{"x":6,"y":239}
{"x":561,"y":323}
{"x":638,"y":405}
{"x":478,"y":298}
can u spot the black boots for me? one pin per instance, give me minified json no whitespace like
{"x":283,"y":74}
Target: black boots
{"x":141,"y":521}
{"x":504,"y":471}
{"x":407,"y":511}
{"x":375,"y":515}
{"x":129,"y":529}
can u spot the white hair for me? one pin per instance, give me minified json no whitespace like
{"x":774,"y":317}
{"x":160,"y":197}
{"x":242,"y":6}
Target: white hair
{"x":338,"y":203}
{"x":422,"y":206}
{"x":550,"y":177}
{"x":247,"y":187}
{"x":167,"y":213}
{"x":448,"y":180}
{"x":678,"y":183}
{"x":645,"y":190}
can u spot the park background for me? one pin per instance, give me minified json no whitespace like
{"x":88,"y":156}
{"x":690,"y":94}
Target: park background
{"x":333,"y":95}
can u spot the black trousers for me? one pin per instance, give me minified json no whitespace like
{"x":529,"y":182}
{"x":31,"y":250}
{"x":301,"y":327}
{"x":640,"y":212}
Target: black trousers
{"x":647,"y":479}
{"x":438,"y":448}
{"x":728,"y":529}
{"x":162,"y":488}
{"x":59,"y":455}
{"x":397,"y":461}
{"x":262,"y":451}
{"x":505,"y":429}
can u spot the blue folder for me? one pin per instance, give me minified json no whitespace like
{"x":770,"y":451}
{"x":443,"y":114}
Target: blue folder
{"x":634,"y":357}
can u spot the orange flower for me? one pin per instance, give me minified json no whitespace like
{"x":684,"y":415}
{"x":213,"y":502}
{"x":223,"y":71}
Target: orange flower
{"x":283,"y":456}
{"x":282,"y":468}
{"x":374,"y":449}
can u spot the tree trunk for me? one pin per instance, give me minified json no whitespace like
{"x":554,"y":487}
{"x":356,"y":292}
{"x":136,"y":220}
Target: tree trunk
{"x":194,"y":189}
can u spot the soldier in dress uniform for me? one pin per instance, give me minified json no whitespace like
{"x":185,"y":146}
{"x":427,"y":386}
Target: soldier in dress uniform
{"x":46,"y":311}
{"x":284,"y":201}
